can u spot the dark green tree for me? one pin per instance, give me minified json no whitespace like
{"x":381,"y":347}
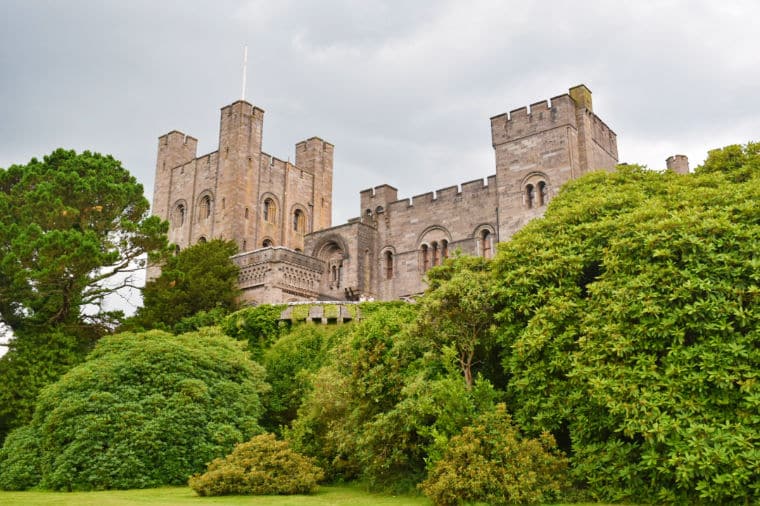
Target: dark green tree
{"x":73,"y":228}
{"x":144,"y":410}
{"x":199,"y":278}
{"x":32,"y":362}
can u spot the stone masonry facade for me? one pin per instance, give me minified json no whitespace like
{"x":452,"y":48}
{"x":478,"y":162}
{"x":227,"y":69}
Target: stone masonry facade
{"x":279,"y":213}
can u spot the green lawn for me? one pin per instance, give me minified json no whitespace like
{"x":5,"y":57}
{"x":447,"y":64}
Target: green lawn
{"x":327,"y":496}
{"x":332,"y":495}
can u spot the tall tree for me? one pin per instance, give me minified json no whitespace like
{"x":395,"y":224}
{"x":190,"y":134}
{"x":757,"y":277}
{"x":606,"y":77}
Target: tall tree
{"x":73,"y":228}
{"x":199,"y":278}
{"x":457,"y":311}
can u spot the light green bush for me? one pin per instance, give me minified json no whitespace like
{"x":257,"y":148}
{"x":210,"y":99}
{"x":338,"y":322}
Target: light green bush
{"x":491,"y":463}
{"x":261,"y":466}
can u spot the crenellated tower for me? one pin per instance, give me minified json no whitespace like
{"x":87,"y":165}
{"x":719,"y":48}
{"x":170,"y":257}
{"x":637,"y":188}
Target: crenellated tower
{"x":240,"y":193}
{"x":538,"y":149}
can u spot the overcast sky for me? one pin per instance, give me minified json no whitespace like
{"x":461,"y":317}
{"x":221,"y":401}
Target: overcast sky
{"x":403,"y":89}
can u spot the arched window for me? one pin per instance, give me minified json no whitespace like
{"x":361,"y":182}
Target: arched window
{"x":299,"y":221}
{"x":485,"y":243}
{"x":434,"y":247}
{"x":246,"y":213}
{"x":204,"y":208}
{"x":444,"y":249}
{"x":334,"y":272}
{"x":270,"y":211}
{"x":179,"y":215}
{"x":425,"y":258}
{"x":530,"y":195}
{"x":267,"y":243}
{"x":201,"y":240}
{"x":388,"y":265}
{"x":543,"y":194}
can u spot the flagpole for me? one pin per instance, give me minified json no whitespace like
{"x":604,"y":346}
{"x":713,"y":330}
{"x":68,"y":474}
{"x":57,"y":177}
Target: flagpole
{"x":245,"y":67}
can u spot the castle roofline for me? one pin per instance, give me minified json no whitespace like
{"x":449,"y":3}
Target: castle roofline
{"x":240,"y":101}
{"x":183,"y":134}
{"x":316,"y":138}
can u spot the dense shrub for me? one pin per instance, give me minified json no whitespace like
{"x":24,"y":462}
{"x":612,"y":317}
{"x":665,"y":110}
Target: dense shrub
{"x":34,"y":360}
{"x":19,"y":460}
{"x":491,"y":463}
{"x":261,"y":466}
{"x":363,"y":378}
{"x":289,"y":363}
{"x":629,"y":315}
{"x":144,"y":410}
{"x":260,"y":326}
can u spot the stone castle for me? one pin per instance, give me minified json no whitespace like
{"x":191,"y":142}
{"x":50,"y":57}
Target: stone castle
{"x":280,"y":213}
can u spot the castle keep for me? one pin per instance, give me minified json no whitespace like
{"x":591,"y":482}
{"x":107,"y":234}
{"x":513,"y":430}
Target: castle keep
{"x":279,"y":213}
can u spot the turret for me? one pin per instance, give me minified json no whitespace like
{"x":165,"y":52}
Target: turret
{"x":678,"y":164}
{"x":375,"y":200}
{"x":240,"y":135}
{"x":315,"y":156}
{"x":174,"y":149}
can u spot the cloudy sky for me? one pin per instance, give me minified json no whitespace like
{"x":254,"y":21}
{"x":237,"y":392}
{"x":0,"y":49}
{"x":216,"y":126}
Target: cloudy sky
{"x":403,"y":89}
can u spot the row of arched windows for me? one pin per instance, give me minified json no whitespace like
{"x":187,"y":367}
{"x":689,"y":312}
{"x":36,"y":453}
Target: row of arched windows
{"x":270,"y":216}
{"x":205,"y":209}
{"x":536,"y":195}
{"x":434,"y":254}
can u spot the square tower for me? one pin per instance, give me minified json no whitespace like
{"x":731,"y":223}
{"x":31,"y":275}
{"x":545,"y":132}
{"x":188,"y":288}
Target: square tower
{"x":538,"y":149}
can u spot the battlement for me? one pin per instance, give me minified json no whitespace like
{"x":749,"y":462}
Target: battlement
{"x":177,"y":138}
{"x":477,"y":188}
{"x":268,"y":160}
{"x":243,"y":106}
{"x":379,"y":196}
{"x":541,"y":116}
{"x":602,"y":134}
{"x":314,"y":154}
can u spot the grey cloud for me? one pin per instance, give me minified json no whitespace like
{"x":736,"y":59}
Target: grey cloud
{"x":403,"y":89}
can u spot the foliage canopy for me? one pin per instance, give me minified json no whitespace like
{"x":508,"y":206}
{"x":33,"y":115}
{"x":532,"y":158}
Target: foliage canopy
{"x":73,"y":227}
{"x":145,"y":409}
{"x":629,"y":320}
{"x":201,"y":277}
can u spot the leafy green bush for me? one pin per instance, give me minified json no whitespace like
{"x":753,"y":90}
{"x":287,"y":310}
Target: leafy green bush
{"x":363,"y":378}
{"x":144,"y":410}
{"x":490,"y":462}
{"x":19,"y":460}
{"x":260,"y":326}
{"x":201,"y":277}
{"x":261,"y":466}
{"x":630,"y":314}
{"x":289,"y":363}
{"x":34,"y":360}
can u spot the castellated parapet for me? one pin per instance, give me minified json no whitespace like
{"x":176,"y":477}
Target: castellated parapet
{"x":279,"y":213}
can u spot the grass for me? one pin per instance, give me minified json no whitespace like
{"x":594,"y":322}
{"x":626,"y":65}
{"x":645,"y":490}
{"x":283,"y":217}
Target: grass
{"x":327,"y":495}
{"x":344,"y":495}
